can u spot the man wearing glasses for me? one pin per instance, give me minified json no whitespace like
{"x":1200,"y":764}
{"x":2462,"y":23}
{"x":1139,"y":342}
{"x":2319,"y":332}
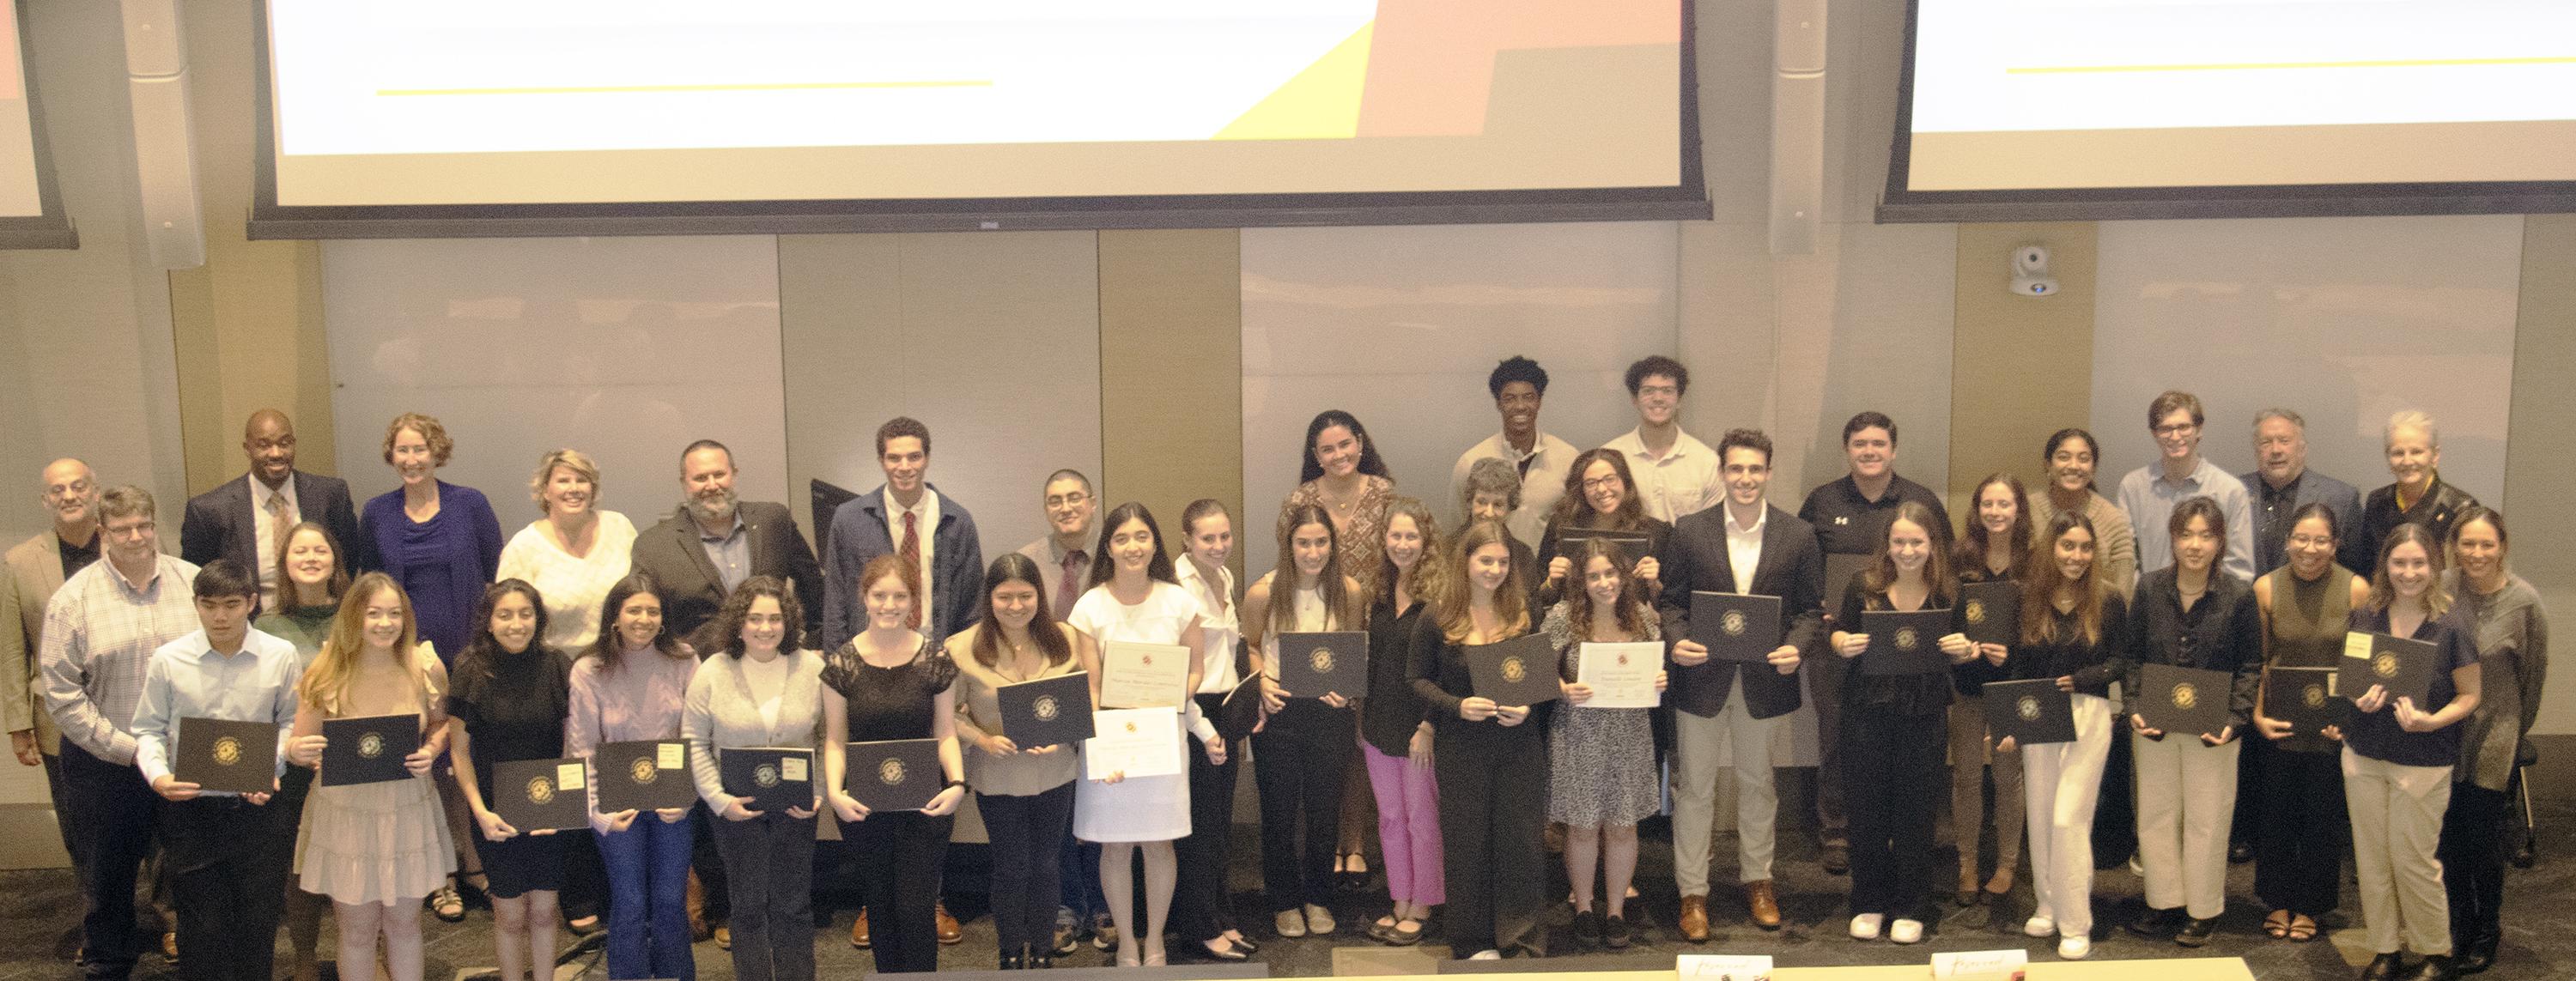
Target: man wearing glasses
{"x":2180,"y":473}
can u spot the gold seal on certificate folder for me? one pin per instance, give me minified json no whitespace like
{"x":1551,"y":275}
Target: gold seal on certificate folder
{"x":643,"y":770}
{"x":2314,"y":695}
{"x":1321,"y":660}
{"x":1514,"y":670}
{"x":1045,"y":708}
{"x":371,"y":745}
{"x":541,"y":790}
{"x":228,"y":751}
{"x":1906,"y":638}
{"x":765,"y":776}
{"x":2027,"y":708}
{"x":1975,"y":611}
{"x":890,"y":772}
{"x":1732,"y":623}
{"x":2385,"y":665}
{"x":2185,"y":696}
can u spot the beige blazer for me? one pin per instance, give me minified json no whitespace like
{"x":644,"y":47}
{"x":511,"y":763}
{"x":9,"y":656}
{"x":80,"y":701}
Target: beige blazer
{"x":35,"y":571}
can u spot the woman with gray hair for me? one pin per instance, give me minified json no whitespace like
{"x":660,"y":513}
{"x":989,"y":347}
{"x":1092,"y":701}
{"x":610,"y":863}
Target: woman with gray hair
{"x":1492,"y":492}
{"x":2418,"y":496}
{"x":572,"y":554}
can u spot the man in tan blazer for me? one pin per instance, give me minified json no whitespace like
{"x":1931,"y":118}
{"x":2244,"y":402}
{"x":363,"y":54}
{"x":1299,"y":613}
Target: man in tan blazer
{"x":36,"y":568}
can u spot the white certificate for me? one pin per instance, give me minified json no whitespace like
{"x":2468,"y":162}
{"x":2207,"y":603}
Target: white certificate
{"x":1142,"y":742}
{"x":1622,"y":676}
{"x":1136,"y":675}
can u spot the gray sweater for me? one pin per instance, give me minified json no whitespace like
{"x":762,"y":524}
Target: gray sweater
{"x":2513,"y":660}
{"x":721,"y":712}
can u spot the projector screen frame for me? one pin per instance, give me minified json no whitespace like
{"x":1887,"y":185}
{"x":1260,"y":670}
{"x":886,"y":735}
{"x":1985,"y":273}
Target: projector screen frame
{"x":269,"y":220}
{"x":52,"y":229}
{"x":1899,"y":204}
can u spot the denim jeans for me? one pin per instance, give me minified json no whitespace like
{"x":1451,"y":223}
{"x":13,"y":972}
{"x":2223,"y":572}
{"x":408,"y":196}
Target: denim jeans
{"x":648,"y":886}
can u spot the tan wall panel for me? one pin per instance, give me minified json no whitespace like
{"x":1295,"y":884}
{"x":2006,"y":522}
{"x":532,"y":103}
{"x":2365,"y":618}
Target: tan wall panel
{"x":1171,"y":366}
{"x":2539,"y":440}
{"x":2020,"y":367}
{"x":248,"y":324}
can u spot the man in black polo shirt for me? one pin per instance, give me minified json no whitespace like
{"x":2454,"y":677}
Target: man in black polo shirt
{"x":1850,"y":515}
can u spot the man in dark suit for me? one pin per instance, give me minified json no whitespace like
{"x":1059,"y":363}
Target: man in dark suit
{"x":714,"y":542}
{"x":1747,"y":547}
{"x":907,"y":516}
{"x":246,"y":519}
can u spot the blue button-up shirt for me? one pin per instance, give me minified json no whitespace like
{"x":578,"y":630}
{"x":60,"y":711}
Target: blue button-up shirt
{"x":188,"y":679}
{"x":2150,"y":500}
{"x":730,"y":553}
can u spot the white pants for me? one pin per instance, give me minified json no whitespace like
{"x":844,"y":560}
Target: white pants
{"x":2063,"y":782}
{"x":1696,"y":763}
{"x":2396,"y":827}
{"x":2186,"y":803}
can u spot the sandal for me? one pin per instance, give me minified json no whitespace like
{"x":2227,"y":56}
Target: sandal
{"x":2302,"y":929}
{"x":444,"y":903}
{"x":2277,"y":924}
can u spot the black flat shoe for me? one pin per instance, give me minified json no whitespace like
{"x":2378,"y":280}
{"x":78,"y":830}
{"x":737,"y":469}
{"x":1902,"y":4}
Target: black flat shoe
{"x":2384,"y":967}
{"x":2479,"y":955}
{"x":2435,"y":968}
{"x":1245,"y":945}
{"x":2195,"y":932}
{"x":1228,"y":953}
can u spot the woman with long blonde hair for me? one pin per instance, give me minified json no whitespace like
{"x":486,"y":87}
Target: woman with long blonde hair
{"x":1395,"y":725}
{"x":375,"y":848}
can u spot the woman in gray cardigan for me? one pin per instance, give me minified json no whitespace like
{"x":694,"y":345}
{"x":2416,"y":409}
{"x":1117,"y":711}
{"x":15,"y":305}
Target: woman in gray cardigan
{"x":2513,"y":658}
{"x":764,"y":690}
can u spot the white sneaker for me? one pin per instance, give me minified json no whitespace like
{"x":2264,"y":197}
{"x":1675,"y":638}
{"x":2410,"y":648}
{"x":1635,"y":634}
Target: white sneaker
{"x":1486,"y":955}
{"x":1319,"y":921}
{"x":2039,"y":926}
{"x":2074,"y":947}
{"x":1865,"y":926}
{"x":1905,"y":931}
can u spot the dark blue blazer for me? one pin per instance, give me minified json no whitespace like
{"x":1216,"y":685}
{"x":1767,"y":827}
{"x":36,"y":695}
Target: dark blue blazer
{"x":858,"y":534}
{"x":219,"y":523}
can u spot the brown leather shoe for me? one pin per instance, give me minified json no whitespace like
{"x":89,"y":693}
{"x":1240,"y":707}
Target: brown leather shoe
{"x":696,"y":902}
{"x":1695,"y":919}
{"x":1765,"y":907}
{"x":859,"y":931}
{"x":724,"y":937}
{"x":949,"y":931}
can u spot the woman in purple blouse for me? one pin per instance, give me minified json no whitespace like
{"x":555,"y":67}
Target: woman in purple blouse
{"x":629,"y":686}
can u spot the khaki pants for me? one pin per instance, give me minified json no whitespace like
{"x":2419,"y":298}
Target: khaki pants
{"x":1968,"y":763}
{"x":2186,"y":805}
{"x":2396,"y":829}
{"x":1695,"y":771}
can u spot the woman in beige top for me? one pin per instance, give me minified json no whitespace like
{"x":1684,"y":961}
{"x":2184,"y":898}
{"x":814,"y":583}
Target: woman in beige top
{"x":1024,"y":793}
{"x":2072,"y":456}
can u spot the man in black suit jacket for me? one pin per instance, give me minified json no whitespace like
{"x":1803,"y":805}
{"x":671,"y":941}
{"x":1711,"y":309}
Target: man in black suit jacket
{"x":714,"y":542}
{"x":245,"y":519}
{"x":942,"y":529}
{"x":1708,"y":552}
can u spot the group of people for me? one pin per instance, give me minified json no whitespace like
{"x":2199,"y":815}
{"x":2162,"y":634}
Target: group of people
{"x":720,"y":626}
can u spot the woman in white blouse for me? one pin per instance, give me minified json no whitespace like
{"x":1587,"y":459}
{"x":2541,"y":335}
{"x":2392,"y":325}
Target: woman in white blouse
{"x":574,"y":553}
{"x":1202,"y":908}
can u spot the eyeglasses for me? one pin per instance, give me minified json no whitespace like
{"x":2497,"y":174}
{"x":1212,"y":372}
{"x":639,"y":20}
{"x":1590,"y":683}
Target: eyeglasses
{"x":1603,"y":483}
{"x":1055,"y":501}
{"x":135,"y":530}
{"x":2311,"y":541}
{"x":2177,"y":429}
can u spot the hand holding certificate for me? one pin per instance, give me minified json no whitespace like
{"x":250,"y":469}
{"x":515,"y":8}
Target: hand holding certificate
{"x":1515,"y":673}
{"x":1904,"y":643}
{"x":1313,"y":665}
{"x":1735,"y":627}
{"x":368,"y":750}
{"x":1621,"y":676}
{"x":1134,"y":675}
{"x":1047,"y":712}
{"x":2401,"y":667}
{"x":1141,"y":742}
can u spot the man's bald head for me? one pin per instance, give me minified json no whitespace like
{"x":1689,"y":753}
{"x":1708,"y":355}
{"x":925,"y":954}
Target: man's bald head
{"x":70,"y":492}
{"x":268,"y":439}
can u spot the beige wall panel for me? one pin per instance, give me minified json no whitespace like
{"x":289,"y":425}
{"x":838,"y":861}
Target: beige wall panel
{"x":2021,"y":367}
{"x":1171,"y":366}
{"x":2542,"y":442}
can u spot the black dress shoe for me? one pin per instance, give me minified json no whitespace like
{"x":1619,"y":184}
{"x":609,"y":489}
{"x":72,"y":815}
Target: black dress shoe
{"x":2479,"y":955}
{"x":2196,"y":931}
{"x":1615,"y":933}
{"x":2384,"y":967}
{"x":2435,"y":968}
{"x":2522,"y":855}
{"x":2158,"y":924}
{"x":1245,"y":945}
{"x":1014,"y":960}
{"x":1228,"y":952}
{"x":1588,"y":928}
{"x":2240,"y":853}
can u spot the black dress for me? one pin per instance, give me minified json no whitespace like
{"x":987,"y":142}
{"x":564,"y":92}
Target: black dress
{"x":513,"y":707}
{"x":899,"y":854}
{"x":1894,"y":727}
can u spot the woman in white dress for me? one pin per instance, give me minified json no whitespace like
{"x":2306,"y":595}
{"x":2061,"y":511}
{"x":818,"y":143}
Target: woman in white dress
{"x":1134,"y":597}
{"x":574,"y":553}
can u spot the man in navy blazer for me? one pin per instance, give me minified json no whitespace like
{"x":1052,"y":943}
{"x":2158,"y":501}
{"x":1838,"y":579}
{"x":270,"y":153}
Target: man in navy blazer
{"x":906,"y":508}
{"x":245,"y":518}
{"x":1748,"y":547}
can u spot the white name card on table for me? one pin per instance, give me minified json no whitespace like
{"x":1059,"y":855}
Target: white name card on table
{"x":1980,"y":965}
{"x":1724,"y":967}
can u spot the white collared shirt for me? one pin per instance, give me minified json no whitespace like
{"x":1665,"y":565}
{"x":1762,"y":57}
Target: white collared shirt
{"x":1218,"y":628}
{"x":926,"y":524}
{"x":1744,"y":547}
{"x":264,"y":532}
{"x":1684,"y":481}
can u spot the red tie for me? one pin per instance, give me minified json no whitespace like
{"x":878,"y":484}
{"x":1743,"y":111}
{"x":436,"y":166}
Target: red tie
{"x":911,"y":552}
{"x":1070,"y":587}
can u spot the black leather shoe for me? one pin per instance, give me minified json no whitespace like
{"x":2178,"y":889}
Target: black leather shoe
{"x":1245,"y":946}
{"x":1222,"y":952}
{"x":2479,"y":955}
{"x":2196,"y":931}
{"x":2158,"y":924}
{"x":1615,"y":933}
{"x":2522,"y":856}
{"x":2240,"y":853}
{"x":1014,"y":960}
{"x":1587,"y":928}
{"x":2384,"y":967}
{"x":2435,"y":968}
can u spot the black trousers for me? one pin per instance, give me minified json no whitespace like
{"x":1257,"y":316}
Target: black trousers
{"x":707,"y":861}
{"x":2299,"y":844}
{"x":1202,"y":906}
{"x":772,"y":860}
{"x":899,"y":856}
{"x":1825,"y":692}
{"x":1493,"y":812}
{"x":75,"y":844}
{"x":1893,"y":811}
{"x":227,"y":860}
{"x":1026,"y":833}
{"x":1299,"y":759}
{"x":2472,"y":853}
{"x":113,"y":812}
{"x":2115,"y":819}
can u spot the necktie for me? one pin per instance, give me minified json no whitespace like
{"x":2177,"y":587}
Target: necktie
{"x":912,"y":556}
{"x":279,"y":523}
{"x":1070,"y":587}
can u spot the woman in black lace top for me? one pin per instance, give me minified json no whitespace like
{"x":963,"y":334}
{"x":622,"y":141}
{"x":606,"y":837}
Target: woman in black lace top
{"x":889,"y":682}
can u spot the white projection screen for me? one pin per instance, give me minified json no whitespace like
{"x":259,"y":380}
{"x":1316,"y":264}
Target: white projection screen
{"x":2091,"y":109}
{"x":31,"y":209}
{"x":384,"y":118}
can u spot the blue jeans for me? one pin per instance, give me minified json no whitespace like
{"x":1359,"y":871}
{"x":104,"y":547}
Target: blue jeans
{"x":648,"y":885}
